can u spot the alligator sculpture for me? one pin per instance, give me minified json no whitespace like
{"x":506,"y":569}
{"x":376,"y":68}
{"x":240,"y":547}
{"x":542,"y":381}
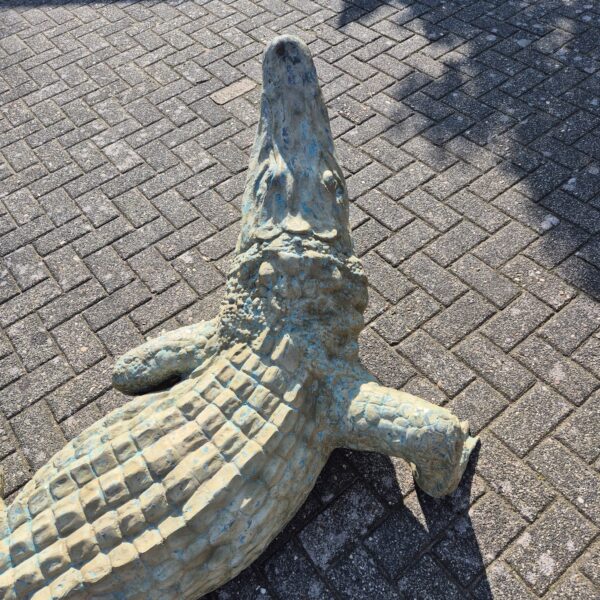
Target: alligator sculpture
{"x":176,"y":492}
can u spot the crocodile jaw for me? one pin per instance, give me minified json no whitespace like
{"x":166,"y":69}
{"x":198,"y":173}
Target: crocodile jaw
{"x":295,"y":185}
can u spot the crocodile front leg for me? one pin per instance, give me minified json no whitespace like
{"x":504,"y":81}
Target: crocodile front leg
{"x":373,"y":417}
{"x":168,"y":357}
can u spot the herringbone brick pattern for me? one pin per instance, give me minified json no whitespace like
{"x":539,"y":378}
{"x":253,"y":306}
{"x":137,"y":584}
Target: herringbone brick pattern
{"x":470,"y":134}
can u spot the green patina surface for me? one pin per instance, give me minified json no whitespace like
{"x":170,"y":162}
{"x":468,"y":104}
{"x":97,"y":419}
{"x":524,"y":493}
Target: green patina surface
{"x":178,"y":491}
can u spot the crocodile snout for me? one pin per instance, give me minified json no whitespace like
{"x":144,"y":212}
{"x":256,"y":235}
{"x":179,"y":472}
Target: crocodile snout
{"x":295,"y":185}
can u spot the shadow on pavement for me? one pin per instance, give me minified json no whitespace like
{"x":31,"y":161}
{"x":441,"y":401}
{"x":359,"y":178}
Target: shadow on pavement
{"x":347,"y":531}
{"x":514,"y":93}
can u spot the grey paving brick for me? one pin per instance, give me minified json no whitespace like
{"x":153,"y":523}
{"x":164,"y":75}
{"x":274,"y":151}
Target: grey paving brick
{"x":512,"y":479}
{"x":387,"y":154}
{"x":32,"y":341}
{"x":424,"y":388}
{"x":81,"y":347}
{"x":26,"y":266}
{"x":581,"y":274}
{"x":454,"y":243}
{"x":233,"y":90}
{"x":117,"y":304}
{"x":436,"y":362}
{"x":382,"y":361}
{"x":430,"y":209}
{"x":185,"y":238}
{"x":404,"y":318}
{"x":500,"y":581}
{"x":135,"y":207}
{"x":433,"y":156}
{"x":519,"y":319}
{"x":367,"y":235}
{"x":573,"y":586}
{"x":198,"y":272}
{"x":137,"y":240}
{"x":562,"y":373}
{"x":38,"y":434}
{"x":409,"y":178}
{"x":153,"y":270}
{"x":120,"y":336}
{"x":570,"y":475}
{"x":572,"y":325}
{"x":24,"y":235}
{"x":504,"y":244}
{"x":531,"y":418}
{"x":477,"y":210}
{"x":478,"y":403}
{"x":540,"y":561}
{"x":357,"y":574}
{"x":69,"y":304}
{"x":281,"y":572}
{"x":496,"y":367}
{"x":102,"y":236}
{"x":59,"y":207}
{"x":441,"y":284}
{"x":163,"y":306}
{"x":10,"y":369}
{"x":494,"y":525}
{"x":97,"y":207}
{"x":59,"y":237}
{"x":459,"y":319}
{"x":109,"y":269}
{"x":30,"y":300}
{"x":384,"y":210}
{"x":403,"y":532}
{"x":67,"y":399}
{"x":557,"y":244}
{"x":7,"y":441}
{"x":23,"y":206}
{"x":67,"y":268}
{"x":541,"y":283}
{"x":574,"y":210}
{"x":588,"y":355}
{"x":579,"y":430}
{"x":391,"y":284}
{"x":349,"y":516}
{"x":175,"y":208}
{"x":221,"y":243}
{"x":81,"y":420}
{"x":218,"y":212}
{"x":17,"y":472}
{"x":426,"y":579}
{"x":451,"y":180}
{"x":590,"y":563}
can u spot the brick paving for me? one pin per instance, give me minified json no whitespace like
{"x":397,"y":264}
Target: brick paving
{"x":469,"y":131}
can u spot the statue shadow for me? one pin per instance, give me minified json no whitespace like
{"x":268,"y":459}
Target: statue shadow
{"x":365,"y":527}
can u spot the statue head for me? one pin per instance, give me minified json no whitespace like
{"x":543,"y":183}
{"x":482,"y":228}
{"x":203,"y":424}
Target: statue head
{"x":295,"y":184}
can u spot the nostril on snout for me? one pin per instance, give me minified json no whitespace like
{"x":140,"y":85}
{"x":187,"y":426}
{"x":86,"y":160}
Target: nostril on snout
{"x":280,"y":49}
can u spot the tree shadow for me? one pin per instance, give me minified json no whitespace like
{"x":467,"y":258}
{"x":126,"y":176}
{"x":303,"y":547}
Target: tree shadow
{"x":365,"y":527}
{"x":511,"y":91}
{"x":354,"y":11}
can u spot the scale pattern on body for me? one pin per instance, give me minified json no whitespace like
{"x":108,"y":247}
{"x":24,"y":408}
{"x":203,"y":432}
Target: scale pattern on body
{"x":152,"y":494}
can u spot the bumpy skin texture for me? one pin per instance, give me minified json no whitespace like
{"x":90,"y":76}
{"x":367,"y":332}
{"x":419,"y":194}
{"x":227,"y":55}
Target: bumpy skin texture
{"x":178,"y":491}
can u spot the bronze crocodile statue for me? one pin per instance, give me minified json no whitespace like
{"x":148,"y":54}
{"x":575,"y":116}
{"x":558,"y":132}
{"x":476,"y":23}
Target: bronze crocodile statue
{"x":176,"y":492}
